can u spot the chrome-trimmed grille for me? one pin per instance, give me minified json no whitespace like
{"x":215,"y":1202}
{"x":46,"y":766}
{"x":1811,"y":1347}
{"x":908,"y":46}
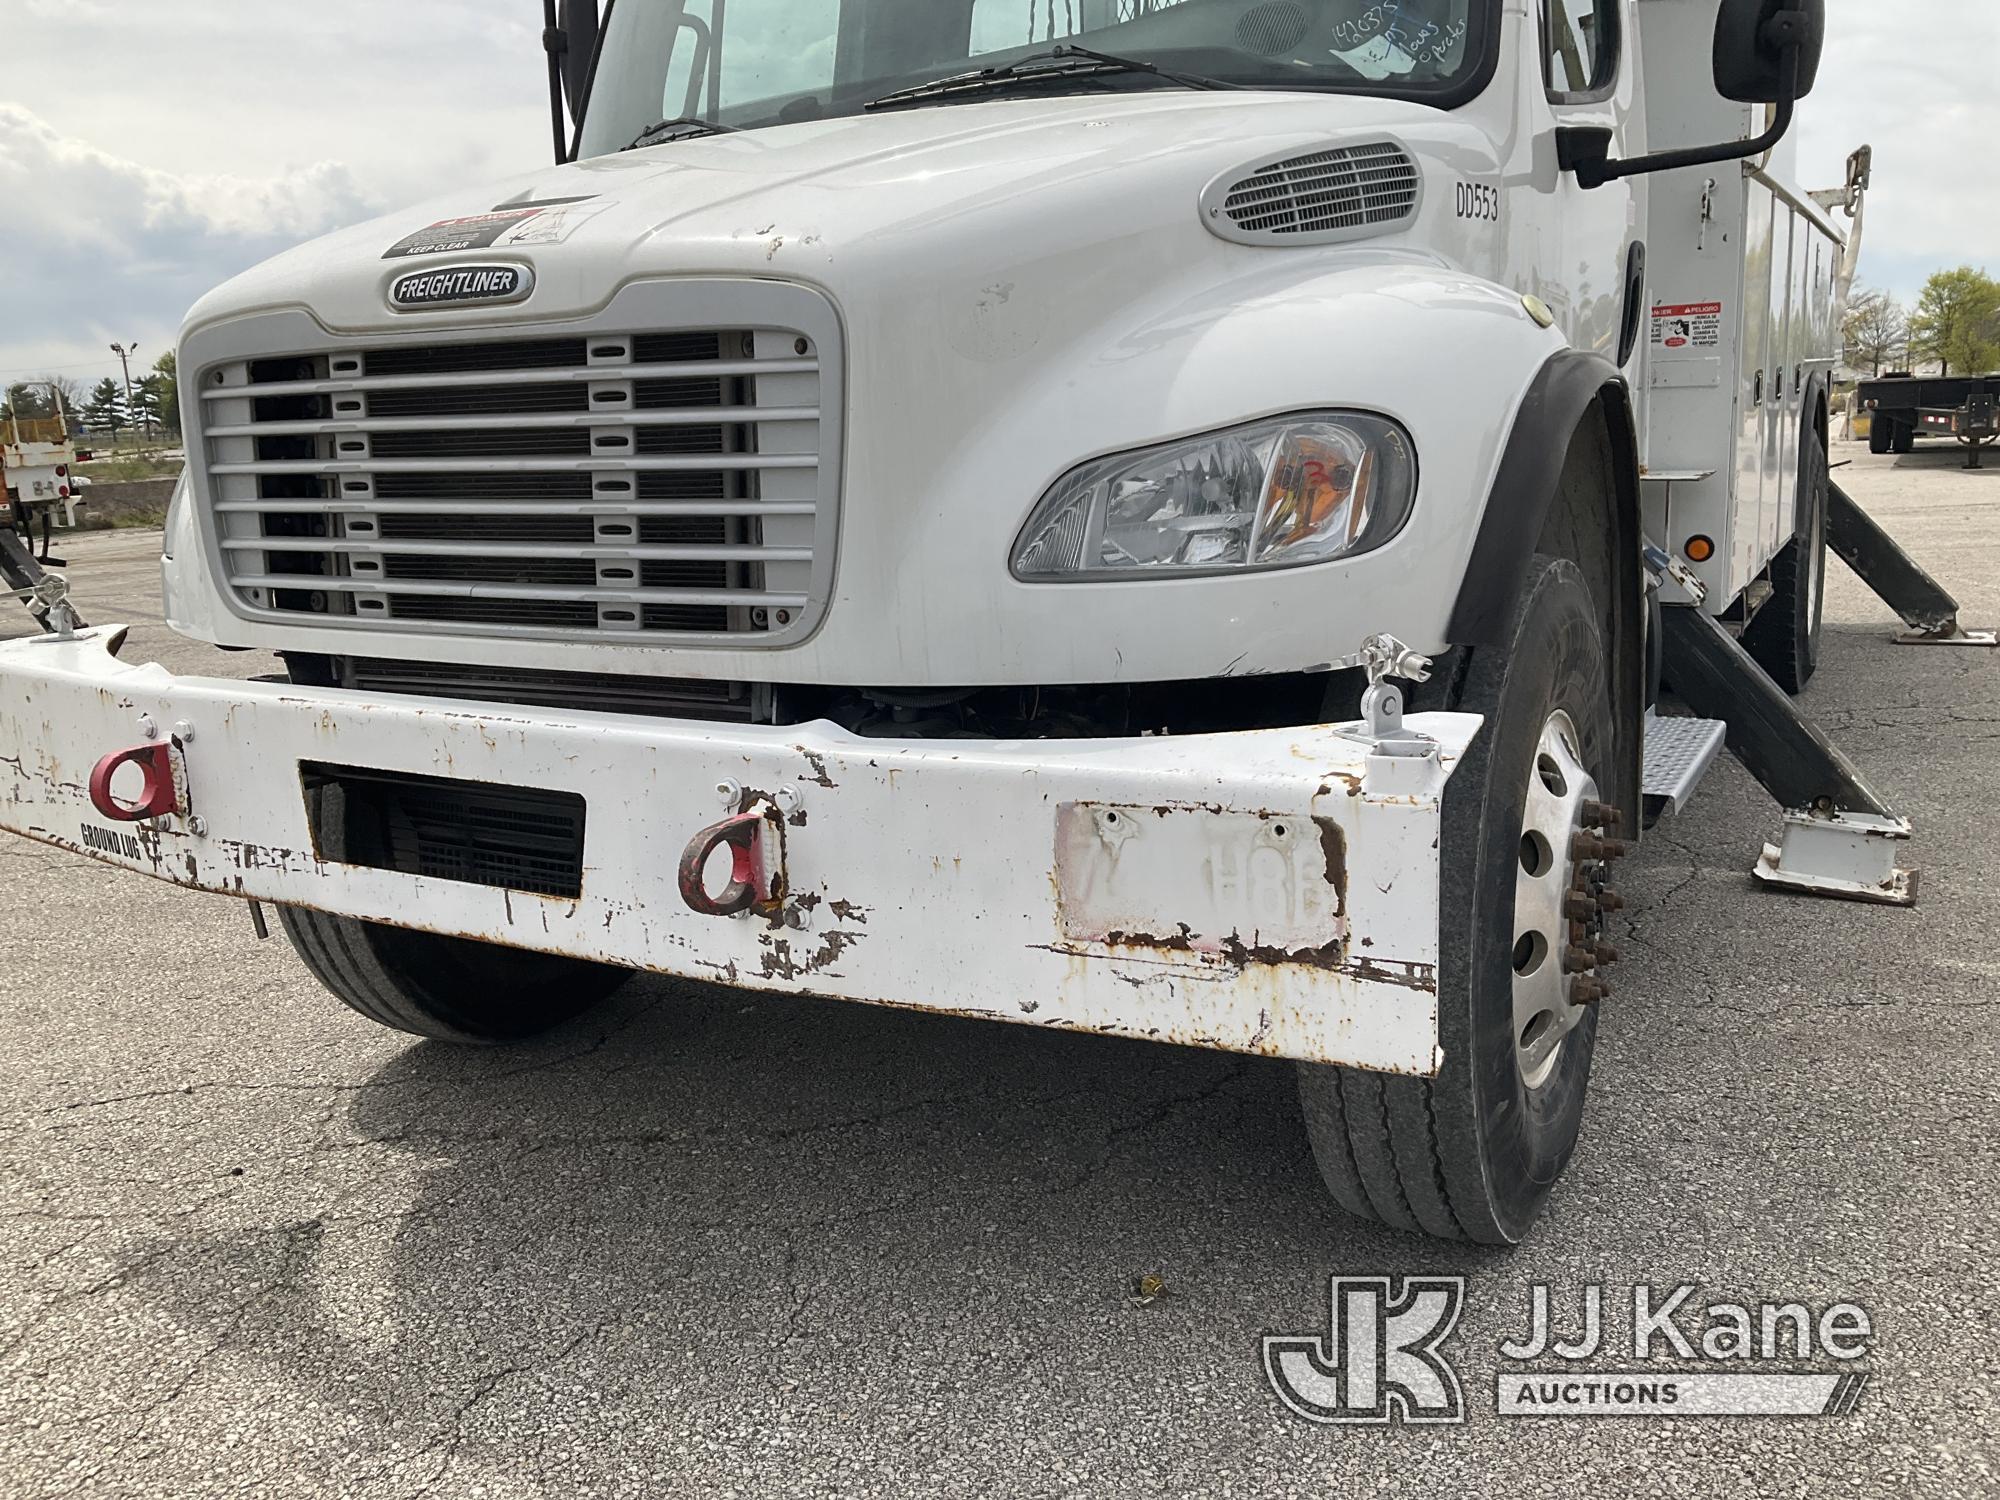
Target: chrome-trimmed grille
{"x":605,"y":486}
{"x":1318,"y":197}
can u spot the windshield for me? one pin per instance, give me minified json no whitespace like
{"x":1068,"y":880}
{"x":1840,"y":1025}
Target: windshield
{"x":748,"y":63}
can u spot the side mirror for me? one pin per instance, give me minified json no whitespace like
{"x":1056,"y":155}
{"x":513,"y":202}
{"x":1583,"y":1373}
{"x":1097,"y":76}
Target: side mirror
{"x":1766,"y":52}
{"x":1754,"y":42}
{"x":569,"y":37}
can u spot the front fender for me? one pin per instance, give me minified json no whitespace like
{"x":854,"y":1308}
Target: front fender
{"x":1448,"y":355}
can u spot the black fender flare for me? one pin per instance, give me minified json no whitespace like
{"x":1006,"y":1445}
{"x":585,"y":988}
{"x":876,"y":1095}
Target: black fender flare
{"x":1557,"y":401}
{"x":1571,"y":389}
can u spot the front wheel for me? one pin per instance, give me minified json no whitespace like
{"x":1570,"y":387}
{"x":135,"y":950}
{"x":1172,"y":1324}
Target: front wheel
{"x":1473,"y":1153}
{"x":446,"y":988}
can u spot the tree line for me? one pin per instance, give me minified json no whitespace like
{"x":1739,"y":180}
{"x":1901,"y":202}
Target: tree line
{"x":1955,"y":322}
{"x":153,"y":409}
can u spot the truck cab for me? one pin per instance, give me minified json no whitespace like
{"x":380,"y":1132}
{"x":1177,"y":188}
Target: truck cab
{"x":1137,"y":521}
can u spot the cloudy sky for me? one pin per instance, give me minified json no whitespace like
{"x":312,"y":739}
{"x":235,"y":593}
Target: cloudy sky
{"x":148,"y":151}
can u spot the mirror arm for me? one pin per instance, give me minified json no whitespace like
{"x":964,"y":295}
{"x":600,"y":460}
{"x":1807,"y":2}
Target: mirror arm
{"x":555,"y":42}
{"x":1585,"y":150}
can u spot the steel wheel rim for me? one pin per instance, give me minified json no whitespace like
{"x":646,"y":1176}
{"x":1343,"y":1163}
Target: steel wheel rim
{"x":1552,"y":817}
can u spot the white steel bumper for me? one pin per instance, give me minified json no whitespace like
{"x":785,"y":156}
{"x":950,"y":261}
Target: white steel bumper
{"x":1271,"y":892}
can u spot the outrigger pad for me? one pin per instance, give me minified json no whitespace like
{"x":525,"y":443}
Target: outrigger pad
{"x":1851,"y":856}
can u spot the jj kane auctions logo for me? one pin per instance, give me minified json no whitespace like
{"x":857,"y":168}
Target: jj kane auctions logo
{"x":1382,"y":1358}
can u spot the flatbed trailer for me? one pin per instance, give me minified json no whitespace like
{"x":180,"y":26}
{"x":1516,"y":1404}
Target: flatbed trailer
{"x":1903,"y":408}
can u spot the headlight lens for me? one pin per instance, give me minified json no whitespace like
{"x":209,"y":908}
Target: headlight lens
{"x":174,"y":507}
{"x":1274,"y":494}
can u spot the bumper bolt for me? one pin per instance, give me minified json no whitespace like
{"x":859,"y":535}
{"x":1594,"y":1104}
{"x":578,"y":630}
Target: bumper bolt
{"x":148,"y":728}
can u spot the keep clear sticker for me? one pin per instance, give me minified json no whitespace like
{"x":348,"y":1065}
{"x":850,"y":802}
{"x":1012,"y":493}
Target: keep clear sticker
{"x":1687,"y":325}
{"x":548,"y":221}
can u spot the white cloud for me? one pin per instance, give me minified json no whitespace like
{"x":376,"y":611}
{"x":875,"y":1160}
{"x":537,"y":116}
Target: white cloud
{"x":100,"y":248}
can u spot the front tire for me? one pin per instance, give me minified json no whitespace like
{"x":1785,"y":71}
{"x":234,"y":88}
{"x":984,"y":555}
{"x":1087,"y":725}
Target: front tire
{"x":446,"y":988}
{"x":1473,"y":1153}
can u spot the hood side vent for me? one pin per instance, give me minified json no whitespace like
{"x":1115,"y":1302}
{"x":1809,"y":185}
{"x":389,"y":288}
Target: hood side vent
{"x":1319,"y":198}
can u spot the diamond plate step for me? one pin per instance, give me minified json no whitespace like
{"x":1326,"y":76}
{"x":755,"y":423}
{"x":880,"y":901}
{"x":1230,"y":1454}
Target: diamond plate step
{"x":1678,"y":754}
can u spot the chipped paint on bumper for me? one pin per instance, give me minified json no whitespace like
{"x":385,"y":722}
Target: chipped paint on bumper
{"x":1243,"y":891}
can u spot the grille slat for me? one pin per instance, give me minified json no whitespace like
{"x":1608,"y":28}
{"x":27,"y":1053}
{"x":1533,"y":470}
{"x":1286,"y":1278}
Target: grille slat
{"x":734,"y":461}
{"x":699,"y":417}
{"x":332,"y":386}
{"x":726,"y":552}
{"x":530,"y":591}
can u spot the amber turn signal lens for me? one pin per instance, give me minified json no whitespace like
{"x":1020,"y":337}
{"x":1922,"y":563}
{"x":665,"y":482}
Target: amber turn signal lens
{"x":1699,"y":549}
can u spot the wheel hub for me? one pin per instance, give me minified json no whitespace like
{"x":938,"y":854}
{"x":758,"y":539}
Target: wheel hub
{"x":1561,"y":897}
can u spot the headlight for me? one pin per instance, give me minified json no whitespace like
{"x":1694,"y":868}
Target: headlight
{"x":174,"y":508}
{"x":1274,"y":494}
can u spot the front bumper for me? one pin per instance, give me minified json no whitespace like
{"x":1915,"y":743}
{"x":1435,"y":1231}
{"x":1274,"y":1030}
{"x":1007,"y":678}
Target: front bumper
{"x":1271,"y":892}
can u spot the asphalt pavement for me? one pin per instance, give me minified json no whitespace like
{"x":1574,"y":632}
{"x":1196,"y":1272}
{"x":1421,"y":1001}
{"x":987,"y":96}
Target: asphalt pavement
{"x":711,"y":1243}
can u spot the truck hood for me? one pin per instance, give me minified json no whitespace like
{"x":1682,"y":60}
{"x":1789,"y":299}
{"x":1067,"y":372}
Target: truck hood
{"x":804,"y":201}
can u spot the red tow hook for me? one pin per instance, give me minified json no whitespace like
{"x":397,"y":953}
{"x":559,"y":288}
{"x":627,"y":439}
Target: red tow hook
{"x":160,"y":793}
{"x":757,"y":865}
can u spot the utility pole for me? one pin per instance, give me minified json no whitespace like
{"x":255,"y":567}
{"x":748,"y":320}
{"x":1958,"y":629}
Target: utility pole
{"x":125,"y":354}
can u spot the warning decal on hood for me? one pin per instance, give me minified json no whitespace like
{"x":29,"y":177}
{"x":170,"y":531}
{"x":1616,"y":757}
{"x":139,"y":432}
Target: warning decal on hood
{"x":549,"y":221}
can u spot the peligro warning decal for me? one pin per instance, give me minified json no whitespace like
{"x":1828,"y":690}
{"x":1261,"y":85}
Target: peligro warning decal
{"x":547,"y":221}
{"x":1687,"y":325}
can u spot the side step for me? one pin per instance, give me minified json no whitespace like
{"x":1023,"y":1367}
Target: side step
{"x":1679,"y":753}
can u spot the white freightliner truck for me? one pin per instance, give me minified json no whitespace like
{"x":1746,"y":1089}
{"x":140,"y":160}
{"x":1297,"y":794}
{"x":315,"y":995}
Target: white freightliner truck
{"x":925,"y":510}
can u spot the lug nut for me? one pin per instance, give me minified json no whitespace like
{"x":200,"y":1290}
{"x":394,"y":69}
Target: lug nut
{"x":1588,"y":991}
{"x":1579,"y":907}
{"x":1586,"y":846}
{"x":1577,"y":961}
{"x":1606,"y":955}
{"x":1610,"y":900}
{"x":1603,"y":815}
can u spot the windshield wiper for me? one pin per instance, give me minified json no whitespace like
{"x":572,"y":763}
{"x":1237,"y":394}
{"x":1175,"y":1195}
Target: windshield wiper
{"x":684,"y":129}
{"x":1066,"y":61}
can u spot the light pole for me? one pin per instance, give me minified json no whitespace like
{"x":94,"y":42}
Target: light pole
{"x":125,"y":354}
